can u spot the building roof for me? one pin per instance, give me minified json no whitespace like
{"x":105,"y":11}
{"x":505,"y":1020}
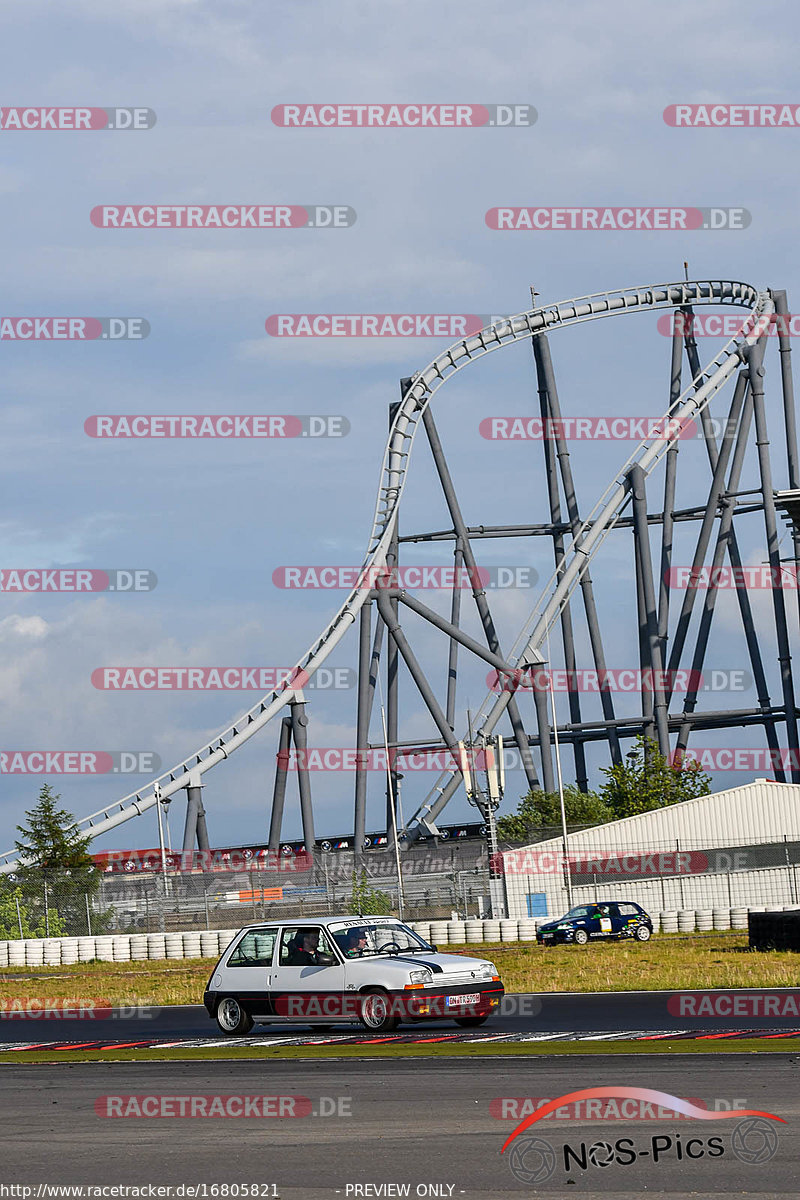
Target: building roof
{"x":754,"y":812}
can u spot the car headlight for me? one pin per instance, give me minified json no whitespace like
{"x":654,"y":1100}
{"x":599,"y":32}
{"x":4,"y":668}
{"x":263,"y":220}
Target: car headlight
{"x":420,"y":976}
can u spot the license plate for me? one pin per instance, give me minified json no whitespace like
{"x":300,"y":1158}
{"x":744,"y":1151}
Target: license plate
{"x":548,"y":935}
{"x":469,"y":998}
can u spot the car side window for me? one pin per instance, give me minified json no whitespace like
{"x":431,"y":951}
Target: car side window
{"x":255,"y":949}
{"x":293,"y":943}
{"x":628,"y":910}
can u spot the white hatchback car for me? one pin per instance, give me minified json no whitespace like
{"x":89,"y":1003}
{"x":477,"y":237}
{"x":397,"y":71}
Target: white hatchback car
{"x":325,"y":971}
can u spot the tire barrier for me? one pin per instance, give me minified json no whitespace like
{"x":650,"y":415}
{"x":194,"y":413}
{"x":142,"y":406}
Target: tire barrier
{"x":139,"y":947}
{"x":774,"y":930}
{"x":722,"y":918}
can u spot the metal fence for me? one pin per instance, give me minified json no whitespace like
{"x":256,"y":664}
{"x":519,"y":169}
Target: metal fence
{"x":451,"y":882}
{"x":448,"y":882}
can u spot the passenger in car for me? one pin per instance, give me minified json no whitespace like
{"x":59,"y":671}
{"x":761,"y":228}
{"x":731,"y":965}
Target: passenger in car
{"x":355,"y":943}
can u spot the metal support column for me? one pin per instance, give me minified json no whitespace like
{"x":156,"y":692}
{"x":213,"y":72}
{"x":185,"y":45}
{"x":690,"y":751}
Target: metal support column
{"x":362,"y":729}
{"x":641,"y":533}
{"x":756,"y":376}
{"x":455,"y":614}
{"x":300,"y":738}
{"x":671,"y":469}
{"x":195,"y":826}
{"x":279,"y":787}
{"x":546,"y":380}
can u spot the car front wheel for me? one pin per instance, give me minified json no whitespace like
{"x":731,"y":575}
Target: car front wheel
{"x":642,"y":933}
{"x":232,"y":1019}
{"x":375,"y":1013}
{"x":581,"y":937}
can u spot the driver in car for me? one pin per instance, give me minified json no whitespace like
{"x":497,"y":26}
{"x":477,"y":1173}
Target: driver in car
{"x":304,"y":949}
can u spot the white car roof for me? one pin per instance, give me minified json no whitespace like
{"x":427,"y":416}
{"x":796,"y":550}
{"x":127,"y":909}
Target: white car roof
{"x":344,"y":919}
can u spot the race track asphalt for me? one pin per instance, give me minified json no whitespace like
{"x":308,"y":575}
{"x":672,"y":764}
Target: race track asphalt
{"x":433,"y":1126}
{"x":545,"y":1012}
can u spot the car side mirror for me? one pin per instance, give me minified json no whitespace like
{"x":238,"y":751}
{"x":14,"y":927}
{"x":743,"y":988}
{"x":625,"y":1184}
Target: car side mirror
{"x":435,"y":949}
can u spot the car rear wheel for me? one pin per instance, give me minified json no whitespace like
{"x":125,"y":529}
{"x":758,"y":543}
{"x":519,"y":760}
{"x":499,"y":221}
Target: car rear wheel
{"x":642,"y":933}
{"x":581,"y":937}
{"x":374,"y":1012}
{"x":231,"y":1017}
{"x":472,"y":1022}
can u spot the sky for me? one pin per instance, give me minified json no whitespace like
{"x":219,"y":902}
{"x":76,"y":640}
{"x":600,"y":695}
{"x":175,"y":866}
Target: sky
{"x":213,"y":520}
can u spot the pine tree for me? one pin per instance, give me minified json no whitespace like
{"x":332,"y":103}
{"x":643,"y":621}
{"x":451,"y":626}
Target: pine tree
{"x":56,"y":872}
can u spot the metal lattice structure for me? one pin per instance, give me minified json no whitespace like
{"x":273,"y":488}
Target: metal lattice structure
{"x":664,"y":642}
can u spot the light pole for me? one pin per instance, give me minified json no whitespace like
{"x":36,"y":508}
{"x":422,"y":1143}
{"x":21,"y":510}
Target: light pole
{"x":564,"y":849}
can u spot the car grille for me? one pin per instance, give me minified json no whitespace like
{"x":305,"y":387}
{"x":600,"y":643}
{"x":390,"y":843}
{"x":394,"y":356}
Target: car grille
{"x":457,"y":977}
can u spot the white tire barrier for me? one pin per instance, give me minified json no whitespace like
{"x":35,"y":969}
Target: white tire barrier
{"x":122,"y":948}
{"x":491,"y":931}
{"x":209,"y":944}
{"x":509,"y":931}
{"x":104,"y":949}
{"x":69,"y":951}
{"x":86,"y":949}
{"x":723,"y":918}
{"x":173,"y":944}
{"x":34,"y":953}
{"x":473,"y":931}
{"x":738,"y":918}
{"x":423,"y":928}
{"x":438,"y":933}
{"x":3,"y":954}
{"x":456,"y":932}
{"x":52,"y":952}
{"x":527,"y":929}
{"x":226,"y":936}
{"x":16,"y":954}
{"x":669,"y":921}
{"x":687,"y":918}
{"x":192,"y":946}
{"x":705,"y":919}
{"x":156,"y":946}
{"x":139,"y":947}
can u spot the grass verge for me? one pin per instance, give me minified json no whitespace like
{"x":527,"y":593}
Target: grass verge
{"x":669,"y":961}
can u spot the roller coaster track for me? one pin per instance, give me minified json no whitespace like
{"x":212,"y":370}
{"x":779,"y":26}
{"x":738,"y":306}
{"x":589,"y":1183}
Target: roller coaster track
{"x":691,"y":402}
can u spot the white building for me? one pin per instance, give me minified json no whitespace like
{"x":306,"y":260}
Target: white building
{"x":729,"y":849}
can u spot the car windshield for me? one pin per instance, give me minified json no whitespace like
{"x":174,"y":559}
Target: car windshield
{"x":582,"y":911}
{"x":357,"y":939}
